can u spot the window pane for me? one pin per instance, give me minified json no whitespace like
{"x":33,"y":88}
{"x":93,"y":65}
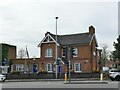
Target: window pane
{"x":48,"y":53}
{"x":49,"y":67}
{"x":77,"y":67}
{"x":19,"y":67}
{"x":76,"y":52}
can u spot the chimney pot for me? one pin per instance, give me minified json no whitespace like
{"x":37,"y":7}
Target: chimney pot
{"x":91,"y":30}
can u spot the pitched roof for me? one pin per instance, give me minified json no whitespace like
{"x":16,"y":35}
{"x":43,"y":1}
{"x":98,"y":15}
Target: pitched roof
{"x":73,"y":39}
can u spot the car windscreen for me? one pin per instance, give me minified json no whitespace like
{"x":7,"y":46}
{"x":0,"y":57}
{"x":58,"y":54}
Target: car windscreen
{"x":115,"y":71}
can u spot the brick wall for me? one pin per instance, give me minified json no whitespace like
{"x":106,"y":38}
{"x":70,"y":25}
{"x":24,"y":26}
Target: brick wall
{"x":12,"y":52}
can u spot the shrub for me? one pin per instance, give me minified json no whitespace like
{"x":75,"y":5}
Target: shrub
{"x":42,"y":71}
{"x":96,"y":71}
{"x":15,"y":72}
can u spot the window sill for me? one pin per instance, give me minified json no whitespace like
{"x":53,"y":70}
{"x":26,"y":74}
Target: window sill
{"x":49,"y":71}
{"x":77,"y":71}
{"x":48,"y":56}
{"x":74,"y":56}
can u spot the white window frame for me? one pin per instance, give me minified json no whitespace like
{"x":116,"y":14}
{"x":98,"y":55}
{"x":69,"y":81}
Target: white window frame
{"x":49,"y":67}
{"x":19,"y":67}
{"x":12,"y":68}
{"x":98,"y":53}
{"x":76,"y":52}
{"x":77,"y":67}
{"x":94,"y":53}
{"x":48,"y":52}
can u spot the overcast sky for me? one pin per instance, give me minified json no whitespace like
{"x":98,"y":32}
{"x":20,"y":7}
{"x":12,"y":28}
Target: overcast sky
{"x":24,"y":22}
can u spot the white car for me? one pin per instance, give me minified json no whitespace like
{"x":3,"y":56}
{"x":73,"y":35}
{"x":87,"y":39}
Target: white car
{"x":114,"y":74}
{"x":2,"y":78}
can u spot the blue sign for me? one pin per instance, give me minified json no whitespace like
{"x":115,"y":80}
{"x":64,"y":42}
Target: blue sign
{"x":5,"y":62}
{"x":34,"y":68}
{"x":59,"y":69}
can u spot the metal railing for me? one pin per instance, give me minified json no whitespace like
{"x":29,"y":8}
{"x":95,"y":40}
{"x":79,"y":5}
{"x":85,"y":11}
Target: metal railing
{"x":51,"y":75}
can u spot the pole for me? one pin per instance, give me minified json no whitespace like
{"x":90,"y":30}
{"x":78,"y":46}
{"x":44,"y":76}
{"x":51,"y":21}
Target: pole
{"x":65,"y":79}
{"x":56,"y":50}
{"x":69,"y":71}
{"x":101,"y":76}
{"x":25,"y":64}
{"x":69,"y":62}
{"x":25,"y":60}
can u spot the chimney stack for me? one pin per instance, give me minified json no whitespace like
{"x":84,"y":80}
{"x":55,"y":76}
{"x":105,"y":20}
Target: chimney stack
{"x":91,"y":30}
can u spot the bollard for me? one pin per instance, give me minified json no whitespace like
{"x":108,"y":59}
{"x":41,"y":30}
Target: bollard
{"x":65,"y":78}
{"x":101,"y":76}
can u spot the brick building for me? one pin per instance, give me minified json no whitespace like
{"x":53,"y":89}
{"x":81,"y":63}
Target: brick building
{"x":7,"y":52}
{"x":83,"y":45}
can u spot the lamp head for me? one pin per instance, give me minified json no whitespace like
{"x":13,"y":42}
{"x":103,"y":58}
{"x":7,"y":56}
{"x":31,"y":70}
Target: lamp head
{"x":56,"y":17}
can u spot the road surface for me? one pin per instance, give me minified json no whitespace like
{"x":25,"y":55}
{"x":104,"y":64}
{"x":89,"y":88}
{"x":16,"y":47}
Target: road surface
{"x":45,"y":85}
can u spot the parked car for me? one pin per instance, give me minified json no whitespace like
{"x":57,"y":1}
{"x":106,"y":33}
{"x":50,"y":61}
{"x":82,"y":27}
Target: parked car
{"x":114,"y":74}
{"x":2,"y":78}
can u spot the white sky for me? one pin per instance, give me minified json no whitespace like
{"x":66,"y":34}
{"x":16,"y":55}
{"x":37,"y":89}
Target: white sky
{"x":24,"y":22}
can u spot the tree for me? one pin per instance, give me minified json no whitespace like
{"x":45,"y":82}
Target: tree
{"x":4,"y":51}
{"x":116,"y":52}
{"x":104,"y":55}
{"x":21,"y":53}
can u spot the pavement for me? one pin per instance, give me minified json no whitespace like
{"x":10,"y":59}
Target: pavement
{"x":57,"y":83}
{"x":86,"y":82}
{"x":71,"y":81}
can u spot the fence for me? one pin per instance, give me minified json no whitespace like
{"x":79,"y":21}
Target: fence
{"x":51,"y":75}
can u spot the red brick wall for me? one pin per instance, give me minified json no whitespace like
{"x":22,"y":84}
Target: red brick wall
{"x":46,"y":46}
{"x":12,"y":52}
{"x":85,"y":57}
{"x":94,"y":57}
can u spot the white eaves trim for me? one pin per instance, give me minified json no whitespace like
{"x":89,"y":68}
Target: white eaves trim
{"x":92,"y":39}
{"x":49,"y":41}
{"x":60,"y":60}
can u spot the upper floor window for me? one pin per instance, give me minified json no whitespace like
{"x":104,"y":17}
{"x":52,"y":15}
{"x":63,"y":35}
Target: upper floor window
{"x":74,"y":52}
{"x":48,"y":52}
{"x":94,"y":53}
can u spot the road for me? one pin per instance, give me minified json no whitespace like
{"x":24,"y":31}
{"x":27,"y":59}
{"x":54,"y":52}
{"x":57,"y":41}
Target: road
{"x":36,"y":84}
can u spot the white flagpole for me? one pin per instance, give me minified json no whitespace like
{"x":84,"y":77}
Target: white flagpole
{"x":27,"y":54}
{"x":25,"y":63}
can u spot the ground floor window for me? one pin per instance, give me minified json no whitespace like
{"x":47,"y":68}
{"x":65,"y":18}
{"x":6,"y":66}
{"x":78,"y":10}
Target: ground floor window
{"x":77,"y":67}
{"x":19,"y":67}
{"x":49,"y":67}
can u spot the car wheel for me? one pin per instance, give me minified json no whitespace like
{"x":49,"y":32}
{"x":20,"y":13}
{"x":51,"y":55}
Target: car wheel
{"x":117,"y":78}
{"x":112,"y":79}
{"x":3,"y":80}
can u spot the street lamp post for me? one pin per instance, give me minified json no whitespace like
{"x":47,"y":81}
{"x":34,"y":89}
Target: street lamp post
{"x":56,"y":50}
